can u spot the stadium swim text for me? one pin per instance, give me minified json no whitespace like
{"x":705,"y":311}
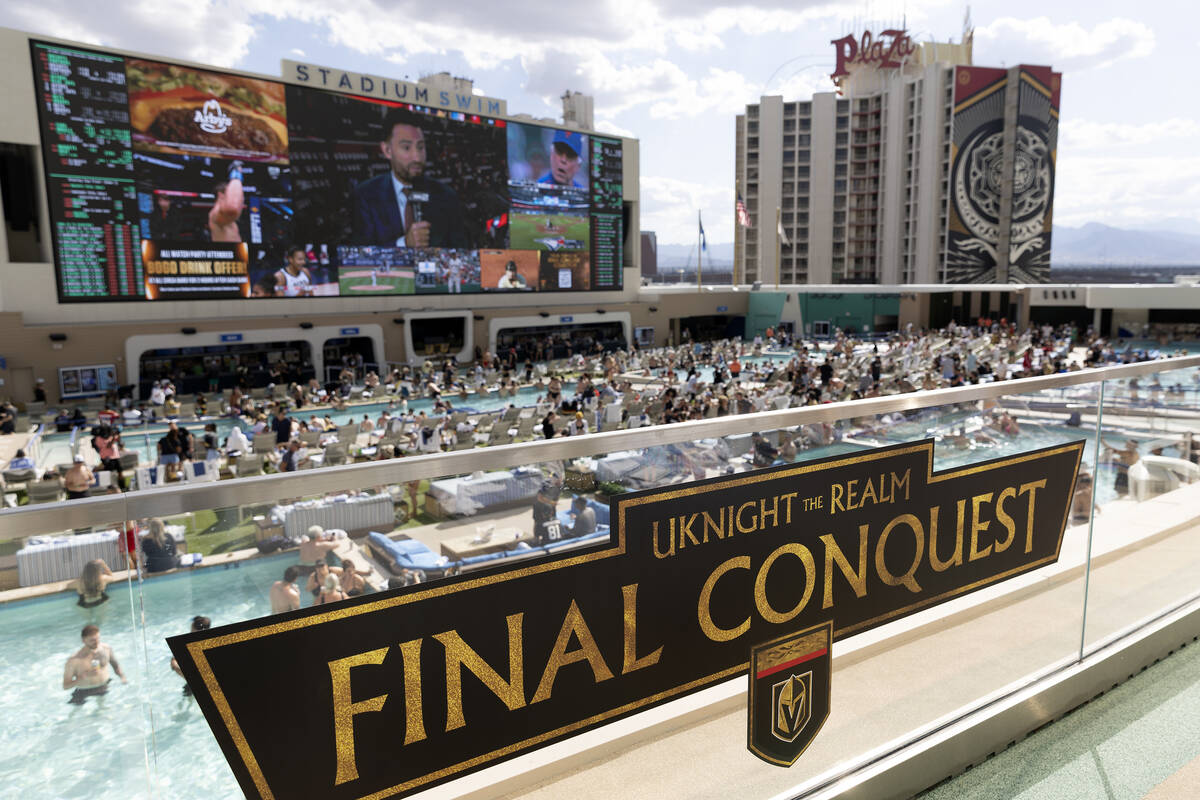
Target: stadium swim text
{"x":390,"y":89}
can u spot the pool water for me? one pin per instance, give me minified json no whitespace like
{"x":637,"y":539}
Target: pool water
{"x":103,"y":748}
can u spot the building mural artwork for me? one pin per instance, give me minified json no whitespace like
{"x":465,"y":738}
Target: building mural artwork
{"x":1002,"y":178}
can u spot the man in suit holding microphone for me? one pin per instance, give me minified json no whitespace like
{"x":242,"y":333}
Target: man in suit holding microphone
{"x":402,"y":207}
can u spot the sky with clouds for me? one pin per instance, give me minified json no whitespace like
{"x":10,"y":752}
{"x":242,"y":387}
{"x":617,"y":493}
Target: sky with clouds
{"x":674,"y":74}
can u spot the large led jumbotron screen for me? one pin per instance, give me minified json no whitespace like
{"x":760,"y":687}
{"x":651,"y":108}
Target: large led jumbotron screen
{"x":169,"y":182}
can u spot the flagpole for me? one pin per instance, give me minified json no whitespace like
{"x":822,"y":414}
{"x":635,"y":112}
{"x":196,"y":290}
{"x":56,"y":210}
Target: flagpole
{"x":778,"y":257}
{"x":737,"y":232}
{"x":699,"y":252}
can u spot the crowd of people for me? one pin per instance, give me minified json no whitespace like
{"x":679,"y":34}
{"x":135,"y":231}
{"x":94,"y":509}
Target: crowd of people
{"x":590,"y":391}
{"x":598,"y":388}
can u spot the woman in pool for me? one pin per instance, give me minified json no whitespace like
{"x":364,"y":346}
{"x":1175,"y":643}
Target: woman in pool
{"x":319,"y":575}
{"x":352,"y":578}
{"x":91,"y":584}
{"x":331,"y":592}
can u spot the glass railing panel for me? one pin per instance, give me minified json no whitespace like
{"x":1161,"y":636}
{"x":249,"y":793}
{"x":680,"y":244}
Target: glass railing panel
{"x":1147,"y":492}
{"x":422,"y":520}
{"x":237,"y":553}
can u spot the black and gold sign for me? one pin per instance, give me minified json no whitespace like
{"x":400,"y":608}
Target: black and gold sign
{"x":384,"y":695}
{"x":789,"y":693}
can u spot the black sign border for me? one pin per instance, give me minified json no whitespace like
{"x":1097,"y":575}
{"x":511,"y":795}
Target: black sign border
{"x":190,"y":648}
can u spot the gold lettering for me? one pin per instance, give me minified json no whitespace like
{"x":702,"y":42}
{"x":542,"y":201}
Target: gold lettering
{"x":1005,"y":519}
{"x":1032,"y":488}
{"x":703,"y":610}
{"x":934,"y":560}
{"x":753,"y":522}
{"x":344,"y":710}
{"x":835,"y":499}
{"x":834,"y":555}
{"x":657,"y":552}
{"x":880,"y":567}
{"x":630,"y":661}
{"x":685,"y":529}
{"x":588,"y":651}
{"x":851,"y":502}
{"x":774,"y":512}
{"x":459,"y":654}
{"x":897,"y":482}
{"x":760,"y":583}
{"x":414,"y":714}
{"x":788,"y":505}
{"x":978,"y":528}
{"x":717,"y":527}
{"x":869,"y":491}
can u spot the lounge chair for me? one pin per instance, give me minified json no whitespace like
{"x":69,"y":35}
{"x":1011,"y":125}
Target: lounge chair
{"x":250,"y":464}
{"x":44,"y":491}
{"x":264,"y":443}
{"x":24,"y":477}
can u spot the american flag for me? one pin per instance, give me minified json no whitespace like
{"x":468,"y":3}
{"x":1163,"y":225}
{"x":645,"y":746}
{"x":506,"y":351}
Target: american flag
{"x":743,"y":216}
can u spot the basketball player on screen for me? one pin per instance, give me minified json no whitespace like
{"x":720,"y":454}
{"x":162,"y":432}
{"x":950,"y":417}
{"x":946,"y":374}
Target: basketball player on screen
{"x":295,"y":279}
{"x":223,"y":216}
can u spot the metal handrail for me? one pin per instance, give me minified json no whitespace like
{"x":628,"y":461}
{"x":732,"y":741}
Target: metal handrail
{"x":171,"y":500}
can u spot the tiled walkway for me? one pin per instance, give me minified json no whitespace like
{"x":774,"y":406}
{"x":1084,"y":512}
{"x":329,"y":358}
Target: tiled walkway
{"x":1139,"y":740}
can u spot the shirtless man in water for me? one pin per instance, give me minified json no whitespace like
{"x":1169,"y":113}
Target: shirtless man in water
{"x":285,"y":596}
{"x":87,"y":670}
{"x":314,"y":547}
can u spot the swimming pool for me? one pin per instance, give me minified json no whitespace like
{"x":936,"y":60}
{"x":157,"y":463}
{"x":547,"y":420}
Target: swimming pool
{"x":104,"y":748}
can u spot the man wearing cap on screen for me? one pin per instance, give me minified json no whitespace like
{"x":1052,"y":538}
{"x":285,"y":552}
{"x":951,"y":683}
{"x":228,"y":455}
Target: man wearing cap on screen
{"x":402,"y":207}
{"x":511,"y":279}
{"x":564,"y":159}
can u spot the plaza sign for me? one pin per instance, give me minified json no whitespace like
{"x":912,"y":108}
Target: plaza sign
{"x":888,"y":51}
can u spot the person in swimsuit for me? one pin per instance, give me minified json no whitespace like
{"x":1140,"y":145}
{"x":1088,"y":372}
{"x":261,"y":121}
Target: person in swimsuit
{"x":198,"y":624}
{"x":86,"y":674}
{"x":1123,"y":458}
{"x":313,"y":547}
{"x":1081,"y":502}
{"x":331,"y":591}
{"x":284,"y":594}
{"x":352,"y":579}
{"x":91,"y":584}
{"x":317,"y":578}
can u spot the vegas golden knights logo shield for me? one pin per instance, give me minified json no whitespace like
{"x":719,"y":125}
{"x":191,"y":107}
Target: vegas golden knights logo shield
{"x":789,"y":693}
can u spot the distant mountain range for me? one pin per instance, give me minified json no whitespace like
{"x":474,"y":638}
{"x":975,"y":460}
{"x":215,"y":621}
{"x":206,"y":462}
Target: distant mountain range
{"x":1177,"y":241}
{"x":674,"y":256}
{"x":1103,"y":245}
